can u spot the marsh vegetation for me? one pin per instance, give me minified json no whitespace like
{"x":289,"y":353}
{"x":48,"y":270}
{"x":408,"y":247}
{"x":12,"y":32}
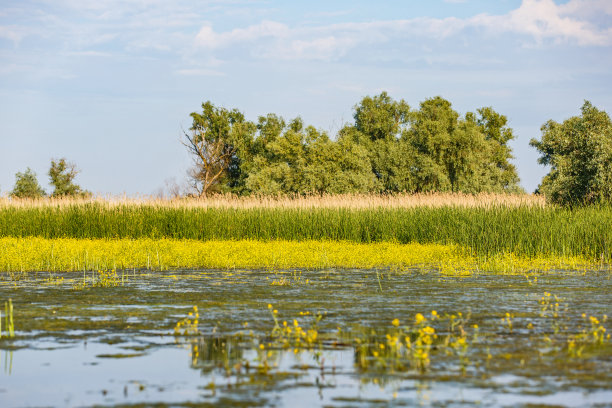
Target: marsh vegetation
{"x":498,"y":225}
{"x":397,"y":264}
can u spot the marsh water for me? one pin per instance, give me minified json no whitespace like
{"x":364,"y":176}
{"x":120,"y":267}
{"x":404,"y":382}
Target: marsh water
{"x":82,"y":339}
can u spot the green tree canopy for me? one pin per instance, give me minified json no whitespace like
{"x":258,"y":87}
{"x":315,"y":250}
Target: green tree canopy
{"x":294,"y":159}
{"x":388,"y":148}
{"x":215,"y":137}
{"x":381,"y":117}
{"x":62,"y":174}
{"x":26,"y":185}
{"x":579,"y":153}
{"x":433,"y":148}
{"x":502,"y":173}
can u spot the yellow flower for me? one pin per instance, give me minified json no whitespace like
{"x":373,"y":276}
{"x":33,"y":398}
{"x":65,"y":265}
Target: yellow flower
{"x":419,"y":318}
{"x":428,"y":330}
{"x":395,"y":322}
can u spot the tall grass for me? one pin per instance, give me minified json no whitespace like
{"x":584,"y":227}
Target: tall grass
{"x":352,"y":201}
{"x":524,"y":230}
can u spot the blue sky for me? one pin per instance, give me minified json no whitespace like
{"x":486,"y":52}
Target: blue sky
{"x":109,"y":84}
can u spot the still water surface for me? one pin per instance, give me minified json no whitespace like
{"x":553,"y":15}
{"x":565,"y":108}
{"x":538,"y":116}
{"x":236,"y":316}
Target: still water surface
{"x":83,"y":346}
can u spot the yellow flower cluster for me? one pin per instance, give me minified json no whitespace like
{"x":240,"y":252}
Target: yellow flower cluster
{"x":68,"y":254}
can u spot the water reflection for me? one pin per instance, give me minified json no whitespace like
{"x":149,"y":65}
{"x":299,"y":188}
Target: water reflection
{"x":336,"y":341}
{"x":7,"y":356}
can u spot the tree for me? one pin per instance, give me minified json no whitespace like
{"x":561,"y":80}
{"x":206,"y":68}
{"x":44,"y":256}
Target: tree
{"x":26,"y":185}
{"x":379,"y":123}
{"x":388,"y":148}
{"x":579,"y":153}
{"x":381,"y":117}
{"x":433,"y":148}
{"x":293,"y":159}
{"x":503,"y":174}
{"x":337,"y":167}
{"x":431,"y":135}
{"x":217,"y":134}
{"x":62,"y":174}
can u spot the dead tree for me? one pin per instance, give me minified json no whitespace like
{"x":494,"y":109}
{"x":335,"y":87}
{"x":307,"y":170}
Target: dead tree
{"x":213,"y":141}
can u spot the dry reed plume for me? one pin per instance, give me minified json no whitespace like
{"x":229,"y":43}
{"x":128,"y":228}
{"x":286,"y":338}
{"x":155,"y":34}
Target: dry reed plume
{"x":352,"y":201}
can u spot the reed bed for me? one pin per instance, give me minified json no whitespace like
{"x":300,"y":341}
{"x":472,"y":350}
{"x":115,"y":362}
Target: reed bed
{"x":522,"y":230}
{"x":349,"y":201}
{"x":69,"y":254}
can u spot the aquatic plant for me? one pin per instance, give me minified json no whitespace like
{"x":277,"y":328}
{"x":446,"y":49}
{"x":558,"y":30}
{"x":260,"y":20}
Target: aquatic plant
{"x":188,"y":326}
{"x":411,"y":346}
{"x":593,"y":335}
{"x":109,"y":256}
{"x":485,"y":231}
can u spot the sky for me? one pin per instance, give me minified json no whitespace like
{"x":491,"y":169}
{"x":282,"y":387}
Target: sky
{"x":110,"y":84}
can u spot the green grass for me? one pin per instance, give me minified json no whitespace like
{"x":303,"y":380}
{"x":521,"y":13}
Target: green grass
{"x":526,"y":231}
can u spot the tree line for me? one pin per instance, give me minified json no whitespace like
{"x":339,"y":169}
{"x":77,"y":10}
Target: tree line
{"x":61,"y":177}
{"x":389,"y":147}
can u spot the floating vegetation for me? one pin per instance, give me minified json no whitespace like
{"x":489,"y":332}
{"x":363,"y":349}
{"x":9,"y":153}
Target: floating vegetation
{"x":189,"y":325}
{"x":339,"y":340}
{"x":425,"y":342}
{"x":107,"y":257}
{"x":101,"y":279}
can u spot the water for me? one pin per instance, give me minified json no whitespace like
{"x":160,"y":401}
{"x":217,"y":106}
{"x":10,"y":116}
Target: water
{"x":78,"y":345}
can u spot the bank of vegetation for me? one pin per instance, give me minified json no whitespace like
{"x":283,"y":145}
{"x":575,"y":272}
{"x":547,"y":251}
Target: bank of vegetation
{"x":483,"y":231}
{"x":395,"y":175}
{"x":68,"y":254}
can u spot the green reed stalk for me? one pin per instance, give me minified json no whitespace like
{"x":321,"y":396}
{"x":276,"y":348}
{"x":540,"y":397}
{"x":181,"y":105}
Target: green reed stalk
{"x":525,"y":230}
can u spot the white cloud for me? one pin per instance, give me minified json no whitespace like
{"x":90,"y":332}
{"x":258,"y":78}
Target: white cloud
{"x":13,"y":33}
{"x":134,"y":27}
{"x":207,"y":37}
{"x":321,"y":48}
{"x":586,"y":8}
{"x":541,"y":20}
{"x":544,"y":19}
{"x":328,"y":14}
{"x":199,"y":72}
{"x":88,"y":54}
